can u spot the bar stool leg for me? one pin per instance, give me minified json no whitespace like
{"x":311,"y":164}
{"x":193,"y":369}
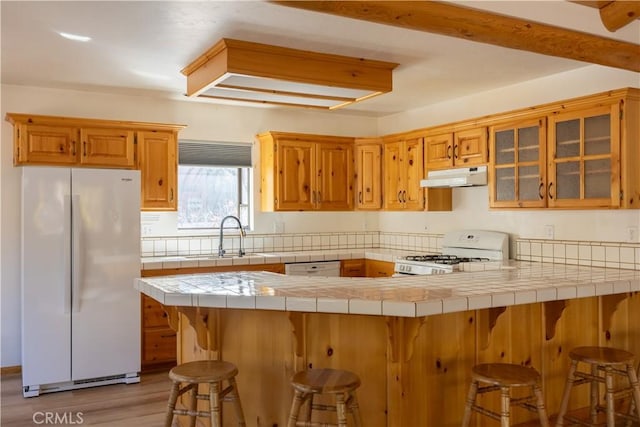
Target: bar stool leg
{"x":611,"y":410}
{"x":567,"y":392}
{"x":635,"y":388}
{"x":542,"y":412}
{"x":235,"y":396}
{"x":595,"y":398}
{"x":214,"y":402}
{"x":341,"y":409}
{"x":471,"y":399}
{"x":308,"y":408}
{"x":504,"y":407}
{"x":173,"y":397}
{"x":295,"y":408}
{"x":193,"y":404}
{"x":355,"y":410}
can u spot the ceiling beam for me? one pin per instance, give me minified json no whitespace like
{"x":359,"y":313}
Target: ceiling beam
{"x":484,"y":27}
{"x":617,"y":14}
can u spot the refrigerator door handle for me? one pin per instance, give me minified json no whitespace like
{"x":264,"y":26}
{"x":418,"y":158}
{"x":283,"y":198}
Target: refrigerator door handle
{"x":76,"y":252}
{"x":66,"y":304}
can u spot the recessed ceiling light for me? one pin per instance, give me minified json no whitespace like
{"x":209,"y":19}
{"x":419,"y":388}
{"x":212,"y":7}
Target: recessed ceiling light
{"x":75,"y":37}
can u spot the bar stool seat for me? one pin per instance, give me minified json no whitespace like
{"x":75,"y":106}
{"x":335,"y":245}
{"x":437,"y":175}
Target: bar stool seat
{"x":611,"y":361}
{"x":503,"y":377}
{"x":213,"y":373}
{"x":342,"y":384}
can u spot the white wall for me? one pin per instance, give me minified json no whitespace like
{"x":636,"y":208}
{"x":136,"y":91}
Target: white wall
{"x":471,"y":205}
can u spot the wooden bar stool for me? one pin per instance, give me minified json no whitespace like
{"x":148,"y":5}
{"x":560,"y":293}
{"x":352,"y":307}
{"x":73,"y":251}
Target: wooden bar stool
{"x":504,"y":376}
{"x":342,"y":384}
{"x":213,"y":373}
{"x":610,"y":361}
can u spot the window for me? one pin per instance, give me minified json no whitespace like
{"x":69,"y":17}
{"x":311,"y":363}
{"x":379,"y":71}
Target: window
{"x":214,"y":180}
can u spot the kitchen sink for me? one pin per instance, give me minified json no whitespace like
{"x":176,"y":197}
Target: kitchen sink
{"x":213,"y":256}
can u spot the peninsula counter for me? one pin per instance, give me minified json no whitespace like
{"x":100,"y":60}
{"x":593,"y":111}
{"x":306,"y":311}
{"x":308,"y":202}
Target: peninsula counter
{"x":412,"y":340}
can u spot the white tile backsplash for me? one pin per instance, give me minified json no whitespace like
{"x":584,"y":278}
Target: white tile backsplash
{"x":587,"y":253}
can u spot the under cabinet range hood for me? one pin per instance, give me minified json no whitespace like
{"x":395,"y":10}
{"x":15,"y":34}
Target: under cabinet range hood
{"x":459,"y":177}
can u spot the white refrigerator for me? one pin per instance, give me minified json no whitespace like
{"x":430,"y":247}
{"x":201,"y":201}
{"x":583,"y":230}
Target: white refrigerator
{"x":80,"y":255}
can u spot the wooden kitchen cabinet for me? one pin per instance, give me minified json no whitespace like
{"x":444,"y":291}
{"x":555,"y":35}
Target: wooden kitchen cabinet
{"x":353,"y":268}
{"x":159,"y":344}
{"x":79,"y":142}
{"x":581,"y":154}
{"x":59,"y":141}
{"x":517,"y":165}
{"x":368,"y":173}
{"x":584,"y":158}
{"x":456,"y":149}
{"x":375,"y":268}
{"x":403,"y":170}
{"x":158,"y":339}
{"x":306,"y":172}
{"x":157,"y":159}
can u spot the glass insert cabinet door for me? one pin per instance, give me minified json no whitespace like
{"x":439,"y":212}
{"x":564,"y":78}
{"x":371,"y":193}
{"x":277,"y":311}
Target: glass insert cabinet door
{"x":517,"y":164}
{"x":584,"y":162}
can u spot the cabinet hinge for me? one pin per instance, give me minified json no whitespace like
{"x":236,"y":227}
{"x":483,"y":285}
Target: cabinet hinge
{"x":275,"y":148}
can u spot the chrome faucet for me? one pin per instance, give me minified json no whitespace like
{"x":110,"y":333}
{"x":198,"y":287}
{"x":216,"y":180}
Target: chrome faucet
{"x":243,"y":233}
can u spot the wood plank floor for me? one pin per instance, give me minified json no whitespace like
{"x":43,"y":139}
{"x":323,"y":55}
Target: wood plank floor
{"x":120,"y":405}
{"x":133,"y":405}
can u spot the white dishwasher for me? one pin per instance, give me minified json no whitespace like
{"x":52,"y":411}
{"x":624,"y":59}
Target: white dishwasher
{"x":314,"y":268}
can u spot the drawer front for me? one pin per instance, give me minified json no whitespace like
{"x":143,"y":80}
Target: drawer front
{"x":159,"y":345}
{"x":153,"y":313}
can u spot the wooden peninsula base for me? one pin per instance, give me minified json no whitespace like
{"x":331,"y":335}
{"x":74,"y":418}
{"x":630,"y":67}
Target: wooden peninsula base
{"x":414,"y":371}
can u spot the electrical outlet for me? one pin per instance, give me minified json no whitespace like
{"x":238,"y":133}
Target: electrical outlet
{"x":548,"y":232}
{"x":632,"y":234}
{"x":278,"y":227}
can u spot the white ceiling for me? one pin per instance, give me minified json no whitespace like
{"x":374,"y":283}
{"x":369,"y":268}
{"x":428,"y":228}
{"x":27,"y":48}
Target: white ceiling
{"x":139,"y":47}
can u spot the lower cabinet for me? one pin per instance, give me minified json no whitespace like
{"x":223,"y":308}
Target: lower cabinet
{"x":158,"y":339}
{"x":376,"y":268}
{"x":353,"y":268}
{"x":159,"y":348}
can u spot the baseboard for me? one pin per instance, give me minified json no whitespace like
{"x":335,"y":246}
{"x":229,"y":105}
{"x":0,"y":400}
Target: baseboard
{"x":6,"y":370}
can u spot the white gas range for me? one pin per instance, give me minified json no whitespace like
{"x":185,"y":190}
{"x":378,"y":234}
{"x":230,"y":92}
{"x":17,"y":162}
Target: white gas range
{"x":457,"y":247}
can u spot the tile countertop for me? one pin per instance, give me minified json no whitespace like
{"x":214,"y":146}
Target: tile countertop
{"x":186,"y":261}
{"x":479,"y":285}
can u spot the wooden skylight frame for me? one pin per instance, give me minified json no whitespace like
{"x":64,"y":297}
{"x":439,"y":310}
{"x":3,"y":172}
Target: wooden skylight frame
{"x":244,"y":71}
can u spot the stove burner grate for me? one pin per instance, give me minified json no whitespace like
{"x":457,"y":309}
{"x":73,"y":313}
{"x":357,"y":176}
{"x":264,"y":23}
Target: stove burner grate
{"x":443,"y":259}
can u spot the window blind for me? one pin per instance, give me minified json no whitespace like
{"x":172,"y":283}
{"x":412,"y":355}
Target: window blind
{"x":205,"y":153}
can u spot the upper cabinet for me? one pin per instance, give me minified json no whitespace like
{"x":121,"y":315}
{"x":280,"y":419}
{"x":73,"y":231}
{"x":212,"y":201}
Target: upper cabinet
{"x":581,"y":154}
{"x":38,"y":141}
{"x":517,"y":169}
{"x":305,"y":172}
{"x":368,"y":173}
{"x":78,"y":142}
{"x":403,"y":170}
{"x":584,"y":158}
{"x":456,"y":149}
{"x":157,"y":159}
